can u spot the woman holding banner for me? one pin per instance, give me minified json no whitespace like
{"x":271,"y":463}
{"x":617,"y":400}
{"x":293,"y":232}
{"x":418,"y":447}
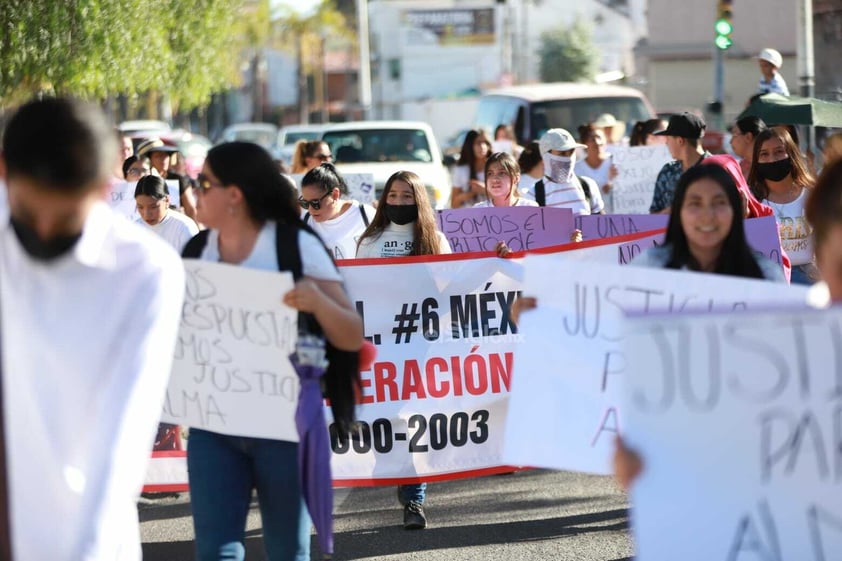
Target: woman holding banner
{"x":337,"y":221}
{"x":405,"y":224}
{"x":706,"y":234}
{"x":249,"y":207}
{"x":502,"y":175}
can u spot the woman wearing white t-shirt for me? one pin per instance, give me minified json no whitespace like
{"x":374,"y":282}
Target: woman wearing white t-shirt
{"x":502,"y":175}
{"x":244,"y":201}
{"x":597,"y":164}
{"x":153,"y":206}
{"x":468,"y":177}
{"x":780,"y":178}
{"x":338,"y":222}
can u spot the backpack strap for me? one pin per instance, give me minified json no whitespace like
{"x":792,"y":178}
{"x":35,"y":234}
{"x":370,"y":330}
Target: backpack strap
{"x":540,"y":193}
{"x":194,"y":247}
{"x":587,"y":190}
{"x":365,"y":216}
{"x":286,"y":247}
{"x":307,"y":218}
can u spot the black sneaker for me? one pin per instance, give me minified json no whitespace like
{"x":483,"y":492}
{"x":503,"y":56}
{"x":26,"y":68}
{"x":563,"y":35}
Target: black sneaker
{"x":413,"y":517}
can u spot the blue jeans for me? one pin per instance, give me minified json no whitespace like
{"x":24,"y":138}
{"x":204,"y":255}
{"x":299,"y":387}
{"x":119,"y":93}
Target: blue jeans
{"x":803,"y":274}
{"x":413,"y":493}
{"x":223,"y":471}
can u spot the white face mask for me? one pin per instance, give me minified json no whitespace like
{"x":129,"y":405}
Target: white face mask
{"x":559,"y":168}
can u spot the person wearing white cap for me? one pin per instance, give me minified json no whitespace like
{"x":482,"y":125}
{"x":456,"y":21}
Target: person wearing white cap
{"x":560,"y":187}
{"x":770,"y":61}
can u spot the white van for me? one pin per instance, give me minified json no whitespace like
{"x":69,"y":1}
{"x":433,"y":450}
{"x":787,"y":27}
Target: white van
{"x":534,"y":109}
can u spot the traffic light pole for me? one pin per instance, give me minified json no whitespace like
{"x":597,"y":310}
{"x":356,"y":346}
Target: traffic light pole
{"x":718,"y":87}
{"x":804,"y":60}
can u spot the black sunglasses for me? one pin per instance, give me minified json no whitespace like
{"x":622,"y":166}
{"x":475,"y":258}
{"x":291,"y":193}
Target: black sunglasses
{"x":205,"y":182}
{"x":315,"y":203}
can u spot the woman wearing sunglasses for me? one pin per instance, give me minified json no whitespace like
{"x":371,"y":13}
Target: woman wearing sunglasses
{"x":338,"y":222}
{"x":309,"y":154}
{"x":242,"y":199}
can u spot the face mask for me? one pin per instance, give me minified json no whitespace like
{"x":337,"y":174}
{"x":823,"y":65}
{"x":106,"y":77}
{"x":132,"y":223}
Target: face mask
{"x":774,"y":171}
{"x":41,"y":249}
{"x":402,"y":214}
{"x":559,"y":168}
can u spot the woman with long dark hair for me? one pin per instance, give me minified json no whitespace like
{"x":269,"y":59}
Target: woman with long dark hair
{"x":743,"y":134}
{"x":705,"y":231}
{"x":469,"y":175}
{"x":245,"y":203}
{"x":780,"y":177}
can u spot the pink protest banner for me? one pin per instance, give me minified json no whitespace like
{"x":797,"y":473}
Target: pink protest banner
{"x":600,"y":226}
{"x":761,"y":234}
{"x":522,"y":227}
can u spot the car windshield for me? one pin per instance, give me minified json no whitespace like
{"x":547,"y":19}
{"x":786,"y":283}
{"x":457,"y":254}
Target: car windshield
{"x":293,"y":137}
{"x":379,"y":145}
{"x":264,"y":137}
{"x":571,"y":113}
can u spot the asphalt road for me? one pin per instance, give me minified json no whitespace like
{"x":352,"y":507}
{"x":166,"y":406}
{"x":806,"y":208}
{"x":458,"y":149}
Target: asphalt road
{"x":525,"y":516}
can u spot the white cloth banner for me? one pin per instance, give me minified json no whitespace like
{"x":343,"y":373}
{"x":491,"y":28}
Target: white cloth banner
{"x":231,"y":372}
{"x":434,"y":401}
{"x":570,"y":365}
{"x":737,"y":419}
{"x":637,"y":170}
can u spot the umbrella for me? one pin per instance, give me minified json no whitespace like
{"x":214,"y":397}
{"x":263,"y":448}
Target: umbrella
{"x":776,"y":109}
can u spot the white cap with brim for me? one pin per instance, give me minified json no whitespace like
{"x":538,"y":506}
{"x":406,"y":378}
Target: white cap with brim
{"x":558,"y":139}
{"x":771,"y":56}
{"x":605,"y":120}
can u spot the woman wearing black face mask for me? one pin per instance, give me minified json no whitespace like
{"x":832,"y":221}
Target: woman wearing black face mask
{"x":780,"y":178}
{"x":404,"y":224}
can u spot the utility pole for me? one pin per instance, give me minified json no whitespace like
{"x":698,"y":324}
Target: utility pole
{"x":365,"y":58}
{"x":804,"y":60}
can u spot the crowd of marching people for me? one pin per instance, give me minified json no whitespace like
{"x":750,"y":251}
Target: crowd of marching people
{"x":61,"y":249}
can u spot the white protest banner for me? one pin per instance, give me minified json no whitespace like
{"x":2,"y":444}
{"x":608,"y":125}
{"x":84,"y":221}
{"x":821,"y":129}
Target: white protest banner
{"x":360,"y":186}
{"x":121,"y":198}
{"x":637,"y":168}
{"x":231,"y":372}
{"x":434,"y":400}
{"x":563,"y":409}
{"x":521,"y":227}
{"x":738,"y":421}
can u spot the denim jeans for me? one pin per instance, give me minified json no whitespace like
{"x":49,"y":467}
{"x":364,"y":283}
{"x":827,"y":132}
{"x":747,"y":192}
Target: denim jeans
{"x":223,"y":471}
{"x":413,"y":493}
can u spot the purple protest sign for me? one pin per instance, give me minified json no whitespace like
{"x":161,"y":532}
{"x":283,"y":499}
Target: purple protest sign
{"x":599,"y":226}
{"x":521,"y":227}
{"x":761,"y":234}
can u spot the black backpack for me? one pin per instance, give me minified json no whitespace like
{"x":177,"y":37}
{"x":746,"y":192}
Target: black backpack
{"x":342,"y":376}
{"x":541,"y":192}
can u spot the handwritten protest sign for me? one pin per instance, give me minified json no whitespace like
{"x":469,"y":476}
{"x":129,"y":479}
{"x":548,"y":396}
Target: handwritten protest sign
{"x":737,"y":419}
{"x":360,"y":186}
{"x":563,"y":409}
{"x":601,"y":226}
{"x":231,"y":372}
{"x":521,"y":227}
{"x":121,"y":198}
{"x":637,"y":168}
{"x":761,"y":234}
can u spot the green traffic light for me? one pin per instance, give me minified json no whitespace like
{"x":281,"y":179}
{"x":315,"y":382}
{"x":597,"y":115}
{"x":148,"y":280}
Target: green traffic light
{"x":722,"y":42}
{"x":723,"y":27}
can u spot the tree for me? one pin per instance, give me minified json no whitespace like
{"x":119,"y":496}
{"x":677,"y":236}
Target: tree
{"x":98,"y":48}
{"x":567,"y":54}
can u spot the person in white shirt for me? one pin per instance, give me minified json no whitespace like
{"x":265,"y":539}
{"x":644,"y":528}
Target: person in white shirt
{"x":405,"y":222}
{"x":153,"y":206}
{"x":90,"y":308}
{"x":771,"y":81}
{"x":531,"y":167}
{"x":338,"y":222}
{"x":502,"y":175}
{"x":560,"y":187}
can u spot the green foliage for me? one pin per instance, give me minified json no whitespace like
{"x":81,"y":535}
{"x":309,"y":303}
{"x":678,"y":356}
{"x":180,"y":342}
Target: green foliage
{"x":567,"y":54}
{"x":95,"y":48}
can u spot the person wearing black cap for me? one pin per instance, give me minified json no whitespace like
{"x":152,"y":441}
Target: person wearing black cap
{"x":684,"y":134}
{"x":160,"y":156}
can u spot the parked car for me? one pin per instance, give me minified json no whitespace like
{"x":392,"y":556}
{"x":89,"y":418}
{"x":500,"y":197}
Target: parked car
{"x":289,"y":135}
{"x":263,"y":134}
{"x":144,"y":126}
{"x":535,"y":108}
{"x":384,"y":147}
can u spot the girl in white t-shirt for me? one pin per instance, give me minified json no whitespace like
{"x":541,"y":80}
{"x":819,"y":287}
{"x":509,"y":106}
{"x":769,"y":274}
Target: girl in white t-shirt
{"x":502,"y":175}
{"x":153,"y":206}
{"x":338,"y":222}
{"x":597,"y":163}
{"x":468,"y":177}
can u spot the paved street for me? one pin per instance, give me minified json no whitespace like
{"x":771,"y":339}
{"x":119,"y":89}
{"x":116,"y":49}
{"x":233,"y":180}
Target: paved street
{"x":526,"y":516}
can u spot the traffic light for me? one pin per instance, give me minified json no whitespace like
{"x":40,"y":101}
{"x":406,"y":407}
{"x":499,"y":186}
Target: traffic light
{"x":723,"y":26}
